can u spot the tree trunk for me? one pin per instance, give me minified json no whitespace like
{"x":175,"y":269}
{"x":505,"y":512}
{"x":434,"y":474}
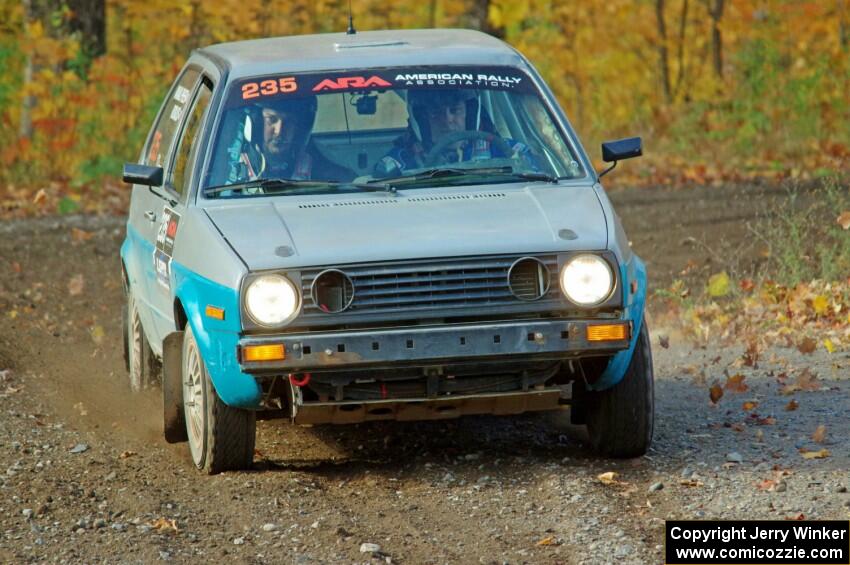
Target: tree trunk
{"x":432,"y":14}
{"x":680,"y":49}
{"x":479,"y":19}
{"x":25,"y":124}
{"x":715,"y":10}
{"x":843,"y":31}
{"x":663,"y":53}
{"x":88,"y":18}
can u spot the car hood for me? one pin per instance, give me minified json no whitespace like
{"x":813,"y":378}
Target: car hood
{"x":282,"y":232}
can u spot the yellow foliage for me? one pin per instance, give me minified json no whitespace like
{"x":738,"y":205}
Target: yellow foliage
{"x":718,"y":285}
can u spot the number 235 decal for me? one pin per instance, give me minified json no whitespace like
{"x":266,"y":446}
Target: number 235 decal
{"x":268,"y":87}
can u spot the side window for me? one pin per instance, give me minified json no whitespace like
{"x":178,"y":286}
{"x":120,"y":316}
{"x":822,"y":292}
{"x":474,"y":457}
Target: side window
{"x":166,"y":128}
{"x":188,"y":145}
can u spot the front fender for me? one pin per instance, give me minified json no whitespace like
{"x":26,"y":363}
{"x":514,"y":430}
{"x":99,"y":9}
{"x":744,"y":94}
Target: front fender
{"x":633,"y":270}
{"x":217,"y":339}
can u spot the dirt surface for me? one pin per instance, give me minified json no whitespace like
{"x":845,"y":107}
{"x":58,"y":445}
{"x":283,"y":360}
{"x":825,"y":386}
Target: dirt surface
{"x":85,"y":475}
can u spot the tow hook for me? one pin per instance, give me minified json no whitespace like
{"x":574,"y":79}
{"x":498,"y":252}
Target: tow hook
{"x":303,"y":381}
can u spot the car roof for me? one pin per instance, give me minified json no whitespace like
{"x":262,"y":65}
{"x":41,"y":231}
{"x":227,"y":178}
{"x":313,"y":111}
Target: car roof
{"x":368,"y":49}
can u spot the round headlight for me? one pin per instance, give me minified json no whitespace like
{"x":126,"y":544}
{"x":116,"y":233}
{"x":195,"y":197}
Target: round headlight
{"x":271,"y":300}
{"x":587,"y":280}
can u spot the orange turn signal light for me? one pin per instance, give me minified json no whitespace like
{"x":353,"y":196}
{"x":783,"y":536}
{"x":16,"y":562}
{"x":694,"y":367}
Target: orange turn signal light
{"x":608,"y":332}
{"x":214,"y":312}
{"x":263,"y":352}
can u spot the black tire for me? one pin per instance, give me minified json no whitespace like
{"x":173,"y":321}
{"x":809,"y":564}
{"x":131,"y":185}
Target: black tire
{"x":620,"y":419}
{"x":143,"y":368}
{"x":221,"y":438}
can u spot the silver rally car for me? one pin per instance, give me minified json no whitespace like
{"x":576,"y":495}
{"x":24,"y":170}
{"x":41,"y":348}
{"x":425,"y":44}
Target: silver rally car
{"x":384,"y":225}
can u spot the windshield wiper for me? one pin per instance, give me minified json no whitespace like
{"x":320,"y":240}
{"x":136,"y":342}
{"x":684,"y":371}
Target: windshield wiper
{"x":532,"y":175}
{"x":279,"y":184}
{"x":448,"y":172}
{"x":440,"y":172}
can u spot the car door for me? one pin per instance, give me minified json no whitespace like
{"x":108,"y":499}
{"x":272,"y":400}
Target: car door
{"x":147,"y":204}
{"x":176,"y":187}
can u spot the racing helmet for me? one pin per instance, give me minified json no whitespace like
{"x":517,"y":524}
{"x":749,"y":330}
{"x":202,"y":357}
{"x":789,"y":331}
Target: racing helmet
{"x":421,"y":101}
{"x":302,"y":110}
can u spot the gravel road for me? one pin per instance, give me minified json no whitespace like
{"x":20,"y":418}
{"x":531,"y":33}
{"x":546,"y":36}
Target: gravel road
{"x":86,"y":477}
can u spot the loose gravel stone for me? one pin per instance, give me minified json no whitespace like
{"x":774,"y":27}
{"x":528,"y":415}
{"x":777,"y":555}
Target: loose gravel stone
{"x":270,"y":527}
{"x":656,"y":486}
{"x":734,"y":457}
{"x":370,"y":548}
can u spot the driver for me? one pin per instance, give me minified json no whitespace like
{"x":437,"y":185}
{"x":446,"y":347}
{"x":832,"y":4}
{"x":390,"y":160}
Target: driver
{"x":435,"y":116}
{"x":286,"y":149}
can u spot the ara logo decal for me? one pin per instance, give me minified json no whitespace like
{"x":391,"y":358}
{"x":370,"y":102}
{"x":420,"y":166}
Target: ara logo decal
{"x":350,"y":82}
{"x":164,"y":247}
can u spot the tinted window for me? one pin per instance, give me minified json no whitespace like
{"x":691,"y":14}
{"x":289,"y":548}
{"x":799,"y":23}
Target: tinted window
{"x":166,"y":128}
{"x":188,"y":145}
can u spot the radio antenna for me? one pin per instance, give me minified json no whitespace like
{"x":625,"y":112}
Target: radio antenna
{"x":350,"y":30}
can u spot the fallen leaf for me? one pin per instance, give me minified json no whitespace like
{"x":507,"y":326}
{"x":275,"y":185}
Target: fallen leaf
{"x":75,"y":285}
{"x":820,"y":434}
{"x":750,"y":405}
{"x":747,"y":285}
{"x":792,"y":405}
{"x":81,"y":235}
{"x":767,"y":484}
{"x":830,"y":347}
{"x":609,"y":478}
{"x":806,"y":381}
{"x":664,"y":341}
{"x":16,"y":267}
{"x":820,"y":454}
{"x":751,"y":355}
{"x":718,"y":285}
{"x":40,"y":197}
{"x":126,"y":454}
{"x":164,"y":525}
{"x":768,"y":421}
{"x":549,"y":540}
{"x":690,"y":483}
{"x":820,"y":304}
{"x":798,"y":517}
{"x":97,"y":334}
{"x":808,"y":345}
{"x":735,"y":383}
{"x":715,"y":393}
{"x":844,"y":220}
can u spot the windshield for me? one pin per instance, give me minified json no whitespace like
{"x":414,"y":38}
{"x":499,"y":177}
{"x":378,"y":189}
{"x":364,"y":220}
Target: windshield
{"x":345,"y":130}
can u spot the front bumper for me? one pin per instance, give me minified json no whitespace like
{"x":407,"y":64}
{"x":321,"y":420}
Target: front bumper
{"x":426,"y":345}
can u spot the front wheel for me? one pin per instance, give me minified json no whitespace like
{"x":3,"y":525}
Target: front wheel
{"x":221,"y":438}
{"x":620,"y":419}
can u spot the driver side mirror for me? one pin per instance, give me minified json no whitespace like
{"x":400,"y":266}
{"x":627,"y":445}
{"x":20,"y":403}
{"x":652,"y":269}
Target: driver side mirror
{"x":613,"y":151}
{"x":142,"y":174}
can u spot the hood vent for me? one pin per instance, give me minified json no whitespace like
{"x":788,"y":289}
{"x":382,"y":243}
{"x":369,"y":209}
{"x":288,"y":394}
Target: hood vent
{"x":433,"y":198}
{"x":436,"y":198}
{"x":347,"y":203}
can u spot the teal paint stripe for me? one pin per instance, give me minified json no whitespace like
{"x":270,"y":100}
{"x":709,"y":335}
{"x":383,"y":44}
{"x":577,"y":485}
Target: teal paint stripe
{"x":217,"y":339}
{"x":634,"y":310}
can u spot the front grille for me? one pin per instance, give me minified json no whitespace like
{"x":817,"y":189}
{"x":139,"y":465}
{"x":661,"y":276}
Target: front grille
{"x":477,"y":282}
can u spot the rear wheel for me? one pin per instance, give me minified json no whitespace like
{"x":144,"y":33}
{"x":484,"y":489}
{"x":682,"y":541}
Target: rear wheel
{"x":142,"y":366}
{"x":221,"y":438}
{"x":620,"y":419}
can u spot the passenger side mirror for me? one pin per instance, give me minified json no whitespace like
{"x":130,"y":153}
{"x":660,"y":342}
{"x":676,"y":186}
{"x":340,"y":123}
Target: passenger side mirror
{"x":142,"y":174}
{"x":613,"y":151}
